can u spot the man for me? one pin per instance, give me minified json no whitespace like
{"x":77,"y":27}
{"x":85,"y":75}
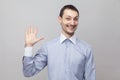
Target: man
{"x":67,"y":57}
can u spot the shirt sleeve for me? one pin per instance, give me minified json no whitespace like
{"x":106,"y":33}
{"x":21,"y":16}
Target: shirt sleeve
{"x":34,"y":64}
{"x":28,"y":51}
{"x":89,"y":66}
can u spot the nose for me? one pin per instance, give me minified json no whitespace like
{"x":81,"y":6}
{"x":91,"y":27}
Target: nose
{"x":72,"y":22}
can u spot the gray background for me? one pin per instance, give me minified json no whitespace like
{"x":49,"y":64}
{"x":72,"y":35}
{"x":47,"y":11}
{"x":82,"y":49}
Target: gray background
{"x":99,"y":26}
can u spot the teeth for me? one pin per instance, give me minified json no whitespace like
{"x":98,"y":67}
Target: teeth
{"x":71,"y":27}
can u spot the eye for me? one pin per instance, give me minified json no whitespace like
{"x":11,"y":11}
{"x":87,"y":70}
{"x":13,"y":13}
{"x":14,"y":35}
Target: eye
{"x":76,"y":19}
{"x":67,"y":19}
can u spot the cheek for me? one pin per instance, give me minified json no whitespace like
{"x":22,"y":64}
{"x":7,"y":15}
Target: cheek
{"x":76,"y":23}
{"x":66,"y":22}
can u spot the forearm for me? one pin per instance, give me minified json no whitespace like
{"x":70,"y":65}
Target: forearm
{"x":32,"y":65}
{"x":28,"y":66}
{"x":90,"y":66}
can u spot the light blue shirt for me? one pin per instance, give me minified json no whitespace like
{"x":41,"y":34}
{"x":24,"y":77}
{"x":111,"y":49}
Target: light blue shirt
{"x":67,"y":59}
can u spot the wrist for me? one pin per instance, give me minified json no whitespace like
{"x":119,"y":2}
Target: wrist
{"x":28,"y":45}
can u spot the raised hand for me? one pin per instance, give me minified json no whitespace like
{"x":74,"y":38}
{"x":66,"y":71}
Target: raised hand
{"x":31,"y":37}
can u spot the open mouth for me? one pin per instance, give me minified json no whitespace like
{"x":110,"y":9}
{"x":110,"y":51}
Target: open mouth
{"x":71,"y":27}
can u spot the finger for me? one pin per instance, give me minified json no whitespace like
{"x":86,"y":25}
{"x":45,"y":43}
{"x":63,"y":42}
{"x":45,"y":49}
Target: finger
{"x":35,"y":31}
{"x":26,"y":33}
{"x":40,"y":39}
{"x":29,"y":29}
{"x":32,"y":30}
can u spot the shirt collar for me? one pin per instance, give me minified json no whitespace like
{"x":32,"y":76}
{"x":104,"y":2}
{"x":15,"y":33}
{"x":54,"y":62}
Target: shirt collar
{"x":62,"y":38}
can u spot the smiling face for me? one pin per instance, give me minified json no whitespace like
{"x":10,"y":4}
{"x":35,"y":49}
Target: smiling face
{"x":69,"y":22}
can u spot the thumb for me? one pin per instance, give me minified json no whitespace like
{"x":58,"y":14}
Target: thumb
{"x":39,"y":39}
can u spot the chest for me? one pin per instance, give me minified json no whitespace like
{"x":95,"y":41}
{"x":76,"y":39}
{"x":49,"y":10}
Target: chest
{"x":62,"y":55}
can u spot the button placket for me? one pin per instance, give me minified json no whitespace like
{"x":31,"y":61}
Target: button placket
{"x":67,"y":60}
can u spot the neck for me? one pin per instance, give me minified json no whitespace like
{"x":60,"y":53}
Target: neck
{"x":67,"y":35}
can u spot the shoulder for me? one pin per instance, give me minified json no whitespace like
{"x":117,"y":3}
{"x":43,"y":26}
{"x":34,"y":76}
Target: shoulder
{"x":52,"y":42}
{"x":84,"y":45}
{"x":86,"y":48}
{"x":45,"y":46}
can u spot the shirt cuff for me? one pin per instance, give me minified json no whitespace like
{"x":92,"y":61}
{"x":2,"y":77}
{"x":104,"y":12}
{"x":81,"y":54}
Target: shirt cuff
{"x":28,"y":51}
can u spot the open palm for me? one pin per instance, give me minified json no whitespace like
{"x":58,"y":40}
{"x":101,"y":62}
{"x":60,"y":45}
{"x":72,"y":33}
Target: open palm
{"x":31,"y":37}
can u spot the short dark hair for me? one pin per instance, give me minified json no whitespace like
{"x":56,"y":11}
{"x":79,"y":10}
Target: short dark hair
{"x":68,"y":7}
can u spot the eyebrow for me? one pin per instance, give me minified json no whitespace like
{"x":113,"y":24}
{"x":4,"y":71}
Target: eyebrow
{"x":70,"y":16}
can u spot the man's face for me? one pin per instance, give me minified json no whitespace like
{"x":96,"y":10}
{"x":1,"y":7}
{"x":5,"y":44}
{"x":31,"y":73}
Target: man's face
{"x":69,"y":21}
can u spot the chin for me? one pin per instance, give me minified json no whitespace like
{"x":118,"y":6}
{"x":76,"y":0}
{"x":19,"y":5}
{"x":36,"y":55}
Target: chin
{"x":70,"y":33}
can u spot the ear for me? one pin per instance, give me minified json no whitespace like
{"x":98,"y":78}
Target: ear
{"x":59,"y":19}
